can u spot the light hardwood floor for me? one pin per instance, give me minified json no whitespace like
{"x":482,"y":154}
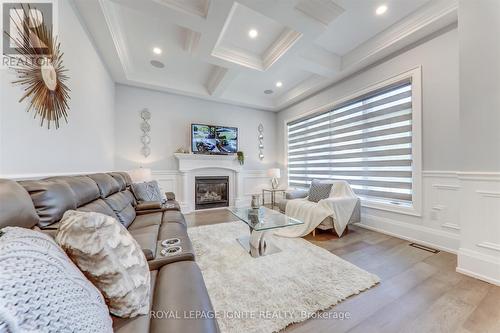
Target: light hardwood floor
{"x":419,"y":291}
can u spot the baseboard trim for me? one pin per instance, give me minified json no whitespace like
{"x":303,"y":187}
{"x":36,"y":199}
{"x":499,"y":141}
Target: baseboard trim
{"x":433,"y":238}
{"x":478,"y":265}
{"x":478,"y":276}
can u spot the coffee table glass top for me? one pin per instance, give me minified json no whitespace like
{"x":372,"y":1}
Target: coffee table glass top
{"x":263,"y":218}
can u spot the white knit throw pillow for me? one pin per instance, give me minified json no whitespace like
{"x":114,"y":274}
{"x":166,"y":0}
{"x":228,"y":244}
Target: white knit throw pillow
{"x":41,"y":290}
{"x":110,"y":258}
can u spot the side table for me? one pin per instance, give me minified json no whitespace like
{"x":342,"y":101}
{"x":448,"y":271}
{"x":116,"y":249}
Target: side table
{"x":273,"y":195}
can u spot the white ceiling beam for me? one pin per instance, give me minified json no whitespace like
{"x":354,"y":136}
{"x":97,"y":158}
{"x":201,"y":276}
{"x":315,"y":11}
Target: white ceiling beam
{"x":317,"y":60}
{"x":219,"y":79}
{"x":188,"y":7}
{"x":160,"y":11}
{"x":301,"y":90}
{"x":322,"y":11}
{"x":191,"y":40}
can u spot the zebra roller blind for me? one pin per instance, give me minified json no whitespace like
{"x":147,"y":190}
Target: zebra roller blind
{"x":366,"y":141}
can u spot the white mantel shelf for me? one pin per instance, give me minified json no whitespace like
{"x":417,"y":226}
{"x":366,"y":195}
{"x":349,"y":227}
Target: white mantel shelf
{"x":181,"y":156}
{"x":190,"y":162}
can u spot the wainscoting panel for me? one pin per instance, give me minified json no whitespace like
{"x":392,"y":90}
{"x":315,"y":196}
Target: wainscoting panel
{"x":439,"y":225}
{"x":479,"y":253}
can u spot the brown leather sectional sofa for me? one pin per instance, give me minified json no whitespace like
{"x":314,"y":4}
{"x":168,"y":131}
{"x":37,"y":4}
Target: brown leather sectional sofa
{"x":179,"y":299}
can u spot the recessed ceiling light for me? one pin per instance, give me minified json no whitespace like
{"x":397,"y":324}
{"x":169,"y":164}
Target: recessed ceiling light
{"x":279,"y":84}
{"x":252,"y":33}
{"x":381,"y":10}
{"x":268,"y":91}
{"x":157,"y":50}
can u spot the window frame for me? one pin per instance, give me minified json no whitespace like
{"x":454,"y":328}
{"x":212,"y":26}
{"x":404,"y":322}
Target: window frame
{"x":415,"y":75}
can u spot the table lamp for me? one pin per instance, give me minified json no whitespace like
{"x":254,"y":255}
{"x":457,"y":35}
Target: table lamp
{"x":274,"y":173}
{"x":140,"y":175}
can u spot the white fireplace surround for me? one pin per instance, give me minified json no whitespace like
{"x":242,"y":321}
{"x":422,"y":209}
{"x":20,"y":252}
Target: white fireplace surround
{"x":195,"y":165}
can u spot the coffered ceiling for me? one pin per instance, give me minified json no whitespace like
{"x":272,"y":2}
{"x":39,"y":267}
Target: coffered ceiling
{"x":234,"y":51}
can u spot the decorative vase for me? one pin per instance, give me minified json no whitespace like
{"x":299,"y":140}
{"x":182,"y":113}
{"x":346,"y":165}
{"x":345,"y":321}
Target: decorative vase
{"x":255,"y":201}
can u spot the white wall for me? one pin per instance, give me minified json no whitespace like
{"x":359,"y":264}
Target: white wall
{"x":438,"y":57}
{"x":171,"y":118}
{"x":479,"y":28}
{"x":86,"y":143}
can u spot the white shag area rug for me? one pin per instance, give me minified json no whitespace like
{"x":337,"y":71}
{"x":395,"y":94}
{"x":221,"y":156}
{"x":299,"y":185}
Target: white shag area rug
{"x":268,"y":293}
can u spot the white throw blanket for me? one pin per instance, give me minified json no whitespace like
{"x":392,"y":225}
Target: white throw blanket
{"x":340,"y":206}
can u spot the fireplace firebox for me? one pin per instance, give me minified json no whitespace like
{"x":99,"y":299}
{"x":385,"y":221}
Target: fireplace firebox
{"x":211,"y":192}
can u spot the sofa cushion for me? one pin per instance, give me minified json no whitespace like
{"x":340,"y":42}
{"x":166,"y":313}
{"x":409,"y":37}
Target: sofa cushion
{"x":174,"y":216}
{"x":172,"y":230}
{"x":147,"y":191}
{"x":98,"y":206}
{"x":121,"y":204}
{"x":125,"y":176}
{"x":83,"y":187}
{"x":139,"y":323}
{"x":42,"y":290}
{"x":146,"y":237}
{"x":51,"y":199}
{"x":146,"y":220}
{"x":16,"y":207}
{"x":119,"y":179}
{"x":107,"y":184}
{"x":319,"y":190}
{"x":180,"y":289}
{"x":110,"y":258}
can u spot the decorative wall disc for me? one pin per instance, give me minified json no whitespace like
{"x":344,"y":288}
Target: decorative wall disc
{"x":145,"y":128}
{"x":145,"y":139}
{"x":145,"y":114}
{"x":261,"y":141}
{"x":145,"y":151}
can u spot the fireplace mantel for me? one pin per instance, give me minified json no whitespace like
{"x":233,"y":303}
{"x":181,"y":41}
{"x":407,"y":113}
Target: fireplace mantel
{"x":191,"y":165}
{"x":188,"y":162}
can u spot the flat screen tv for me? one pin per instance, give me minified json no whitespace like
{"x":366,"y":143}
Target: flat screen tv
{"x":208,"y":139}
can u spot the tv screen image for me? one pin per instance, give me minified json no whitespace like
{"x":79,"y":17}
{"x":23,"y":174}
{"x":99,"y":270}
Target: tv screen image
{"x":214,"y":139}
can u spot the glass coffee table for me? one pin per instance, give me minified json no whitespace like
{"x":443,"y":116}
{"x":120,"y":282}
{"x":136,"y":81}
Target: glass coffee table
{"x":261,"y":222}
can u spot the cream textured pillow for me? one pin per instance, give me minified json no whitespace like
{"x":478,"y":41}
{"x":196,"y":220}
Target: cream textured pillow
{"x":41,"y":290}
{"x":110,"y":258}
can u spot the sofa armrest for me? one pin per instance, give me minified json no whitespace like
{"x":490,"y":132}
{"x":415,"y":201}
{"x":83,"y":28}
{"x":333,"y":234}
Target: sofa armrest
{"x":296,"y":194}
{"x":148,"y":205}
{"x":170,"y":195}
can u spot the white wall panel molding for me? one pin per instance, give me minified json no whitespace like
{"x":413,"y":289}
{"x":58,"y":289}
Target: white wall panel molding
{"x":479,"y":265}
{"x":489,"y":245}
{"x":421,"y":234}
{"x":479,"y":254}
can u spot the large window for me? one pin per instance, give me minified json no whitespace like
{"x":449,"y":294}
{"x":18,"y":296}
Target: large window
{"x":366,"y":141}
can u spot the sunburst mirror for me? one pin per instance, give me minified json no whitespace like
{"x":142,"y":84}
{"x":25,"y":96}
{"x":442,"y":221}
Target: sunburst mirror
{"x":40,"y":70}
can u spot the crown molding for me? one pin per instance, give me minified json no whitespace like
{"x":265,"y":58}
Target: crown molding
{"x":441,"y":13}
{"x":113,"y":22}
{"x":238,"y":57}
{"x":280,"y":46}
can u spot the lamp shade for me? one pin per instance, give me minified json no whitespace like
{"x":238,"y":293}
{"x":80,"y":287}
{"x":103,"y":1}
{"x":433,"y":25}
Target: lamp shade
{"x":274,"y":173}
{"x":140,"y":175}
